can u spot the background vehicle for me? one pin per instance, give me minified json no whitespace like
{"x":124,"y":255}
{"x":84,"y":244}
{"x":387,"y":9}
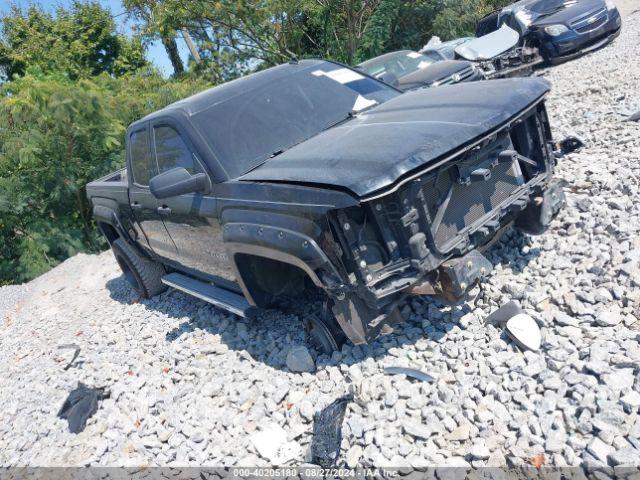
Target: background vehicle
{"x":500,"y":55}
{"x":444,"y":50}
{"x":311,"y":178}
{"x":561,"y":29}
{"x":408,"y":70}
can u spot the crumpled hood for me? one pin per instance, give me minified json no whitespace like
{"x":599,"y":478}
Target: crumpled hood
{"x":490,"y":45}
{"x":376,"y":148}
{"x":434,"y":72}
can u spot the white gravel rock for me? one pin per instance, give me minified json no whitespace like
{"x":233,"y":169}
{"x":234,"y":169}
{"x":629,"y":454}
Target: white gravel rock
{"x":271,"y":443}
{"x":599,"y":449}
{"x":631,"y":400}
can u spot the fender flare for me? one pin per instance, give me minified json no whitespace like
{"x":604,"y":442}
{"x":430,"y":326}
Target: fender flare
{"x":283,"y":245}
{"x":103,"y":214}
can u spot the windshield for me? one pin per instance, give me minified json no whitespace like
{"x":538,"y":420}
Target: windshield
{"x":247,"y":129}
{"x":398,"y":64}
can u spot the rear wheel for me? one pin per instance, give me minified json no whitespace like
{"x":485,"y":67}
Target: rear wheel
{"x":325,"y":333}
{"x":142,"y":273}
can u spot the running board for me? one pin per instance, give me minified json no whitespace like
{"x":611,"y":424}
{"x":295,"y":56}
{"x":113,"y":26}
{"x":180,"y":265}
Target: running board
{"x":229,"y":301}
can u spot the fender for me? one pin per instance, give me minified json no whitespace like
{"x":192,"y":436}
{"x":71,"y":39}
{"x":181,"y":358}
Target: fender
{"x":103,"y":214}
{"x":106,"y":215}
{"x":284,"y":245}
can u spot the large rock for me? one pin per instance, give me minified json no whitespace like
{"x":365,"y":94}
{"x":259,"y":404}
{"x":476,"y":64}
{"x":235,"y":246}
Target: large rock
{"x":480,"y":452}
{"x":631,"y":401}
{"x":461,"y":433}
{"x":271,"y":443}
{"x":614,"y":421}
{"x":599,"y":449}
{"x":620,"y":379}
{"x":352,"y":457}
{"x":417,"y":430}
{"x":628,"y":457}
{"x":300,"y":360}
{"x":609,"y":318}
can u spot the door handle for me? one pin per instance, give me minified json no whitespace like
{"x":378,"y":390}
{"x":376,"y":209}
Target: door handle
{"x":165,"y":211}
{"x":136,"y":206}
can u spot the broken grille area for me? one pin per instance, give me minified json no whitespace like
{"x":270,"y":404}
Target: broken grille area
{"x":472,"y":190}
{"x":468,"y":203}
{"x":447,"y":211}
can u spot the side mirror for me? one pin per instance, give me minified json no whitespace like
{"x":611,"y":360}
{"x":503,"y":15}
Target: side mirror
{"x":177,"y":181}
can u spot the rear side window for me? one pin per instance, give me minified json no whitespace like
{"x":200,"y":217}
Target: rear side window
{"x":171,"y":151}
{"x":141,"y":161}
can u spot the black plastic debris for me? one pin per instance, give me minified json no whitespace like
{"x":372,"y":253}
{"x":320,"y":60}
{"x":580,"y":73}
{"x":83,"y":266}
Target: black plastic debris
{"x":501,"y":316}
{"x":76,"y":352}
{"x":327,"y":432}
{"x":570,"y":144}
{"x":80,"y":405}
{"x":409,"y":372}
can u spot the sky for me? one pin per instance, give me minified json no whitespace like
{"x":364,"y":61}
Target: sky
{"x":155,"y":52}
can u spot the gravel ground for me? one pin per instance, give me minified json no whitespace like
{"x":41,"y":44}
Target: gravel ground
{"x":10,"y":298}
{"x":193,"y":385}
{"x":627,"y":7}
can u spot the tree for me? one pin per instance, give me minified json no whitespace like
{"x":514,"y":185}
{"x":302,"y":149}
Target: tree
{"x":144,"y":11}
{"x":81,"y":41}
{"x":379,"y":29}
{"x":56,"y":135}
{"x":72,"y":84}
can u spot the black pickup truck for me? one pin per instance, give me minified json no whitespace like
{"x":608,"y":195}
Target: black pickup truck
{"x":314,"y":180}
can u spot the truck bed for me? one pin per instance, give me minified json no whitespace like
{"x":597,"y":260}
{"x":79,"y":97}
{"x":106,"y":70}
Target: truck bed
{"x":113,"y":186}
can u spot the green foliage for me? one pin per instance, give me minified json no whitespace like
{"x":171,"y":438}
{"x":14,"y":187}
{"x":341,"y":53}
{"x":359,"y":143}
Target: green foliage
{"x":52,"y":131}
{"x":458,"y":19}
{"x":56,"y":135}
{"x":81,"y":41}
{"x":236,"y":36}
{"x":75,"y":84}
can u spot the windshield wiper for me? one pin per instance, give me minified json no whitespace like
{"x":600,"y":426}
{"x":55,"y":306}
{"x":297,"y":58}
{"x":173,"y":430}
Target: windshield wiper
{"x":368,"y":107}
{"x":349,"y":116}
{"x":274,"y":154}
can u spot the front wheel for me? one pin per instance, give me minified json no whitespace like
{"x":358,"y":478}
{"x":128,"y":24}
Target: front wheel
{"x":143,"y":274}
{"x":325,"y":333}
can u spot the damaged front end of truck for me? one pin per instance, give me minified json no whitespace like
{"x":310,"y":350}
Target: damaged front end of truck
{"x":436,"y":175}
{"x":426,"y":235}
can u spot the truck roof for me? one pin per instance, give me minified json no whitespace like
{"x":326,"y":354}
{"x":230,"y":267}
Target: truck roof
{"x":245,"y":122}
{"x":199,"y":101}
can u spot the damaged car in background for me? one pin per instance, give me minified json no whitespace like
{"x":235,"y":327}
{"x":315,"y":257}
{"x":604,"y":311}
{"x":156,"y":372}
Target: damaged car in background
{"x":560,"y":29}
{"x":408,"y":70}
{"x":501,"y":54}
{"x":312,"y":180}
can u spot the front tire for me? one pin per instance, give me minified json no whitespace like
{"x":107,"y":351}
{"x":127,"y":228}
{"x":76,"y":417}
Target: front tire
{"x":325,"y":333}
{"x":143,"y":274}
